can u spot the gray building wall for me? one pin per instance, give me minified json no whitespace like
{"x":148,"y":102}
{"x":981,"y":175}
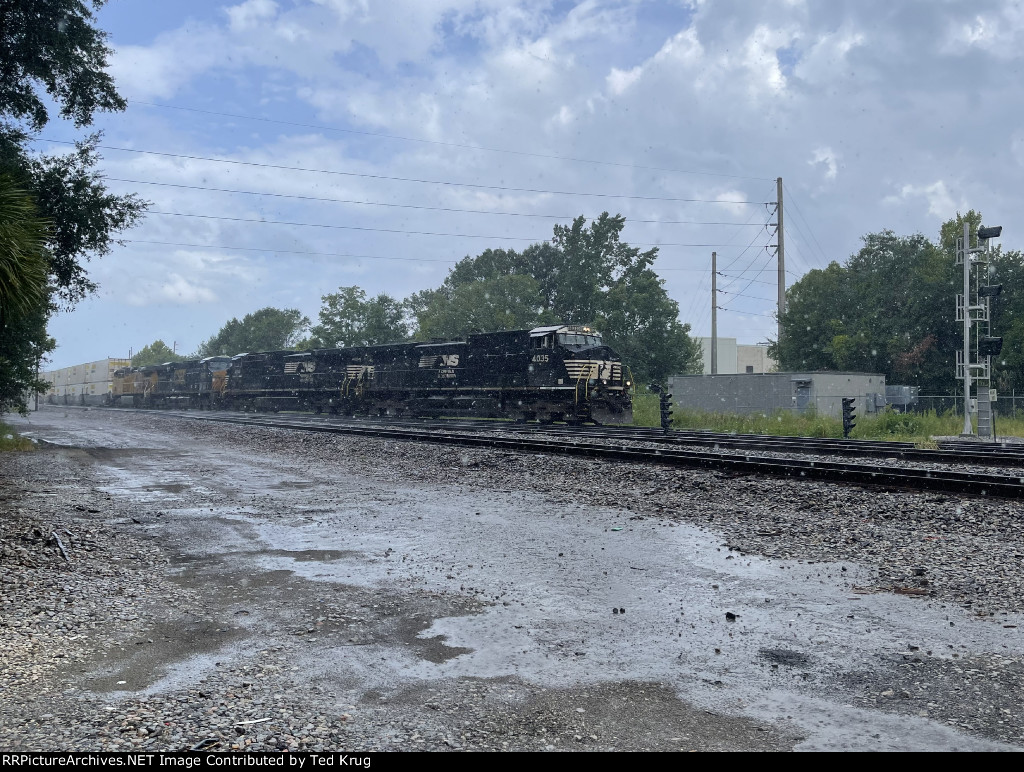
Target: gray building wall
{"x":744,"y":393}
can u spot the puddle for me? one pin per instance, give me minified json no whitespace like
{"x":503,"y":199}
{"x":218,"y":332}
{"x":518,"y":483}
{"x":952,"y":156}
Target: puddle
{"x":167,"y":650}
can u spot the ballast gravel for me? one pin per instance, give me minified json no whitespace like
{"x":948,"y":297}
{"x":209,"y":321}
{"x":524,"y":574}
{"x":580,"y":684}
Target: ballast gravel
{"x":80,"y":586}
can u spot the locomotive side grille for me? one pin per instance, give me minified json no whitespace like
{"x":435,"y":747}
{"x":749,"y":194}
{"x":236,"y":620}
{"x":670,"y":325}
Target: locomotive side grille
{"x":354,"y":371}
{"x":585,"y":369}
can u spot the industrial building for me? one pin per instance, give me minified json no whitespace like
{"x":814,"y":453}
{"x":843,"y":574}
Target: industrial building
{"x":87,"y":384}
{"x":736,"y":357}
{"x":766,"y":393}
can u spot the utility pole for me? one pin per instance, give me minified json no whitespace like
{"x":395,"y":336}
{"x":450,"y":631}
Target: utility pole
{"x":714,"y":313}
{"x":781,"y":253}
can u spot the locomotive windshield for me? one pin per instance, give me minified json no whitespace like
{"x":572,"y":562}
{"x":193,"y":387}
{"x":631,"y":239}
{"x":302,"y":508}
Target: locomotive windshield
{"x":579,"y":339}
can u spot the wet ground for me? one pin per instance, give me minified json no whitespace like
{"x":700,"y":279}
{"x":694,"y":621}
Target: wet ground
{"x":401,"y":598}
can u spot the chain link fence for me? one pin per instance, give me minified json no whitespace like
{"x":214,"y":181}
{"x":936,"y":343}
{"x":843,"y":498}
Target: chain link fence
{"x":1008,"y":404}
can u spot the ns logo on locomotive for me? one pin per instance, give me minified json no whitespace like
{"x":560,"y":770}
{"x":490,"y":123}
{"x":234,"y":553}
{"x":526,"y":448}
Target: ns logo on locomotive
{"x":556,"y":373}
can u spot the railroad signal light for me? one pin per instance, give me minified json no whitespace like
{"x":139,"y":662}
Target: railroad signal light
{"x":990,"y":346}
{"x":666,"y":410}
{"x":849,"y":414}
{"x":990,"y":291}
{"x":991,"y":232}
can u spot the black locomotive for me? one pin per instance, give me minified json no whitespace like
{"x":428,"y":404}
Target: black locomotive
{"x":556,"y":373}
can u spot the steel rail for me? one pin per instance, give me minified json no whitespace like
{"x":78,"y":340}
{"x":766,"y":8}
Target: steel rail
{"x":905,"y":451}
{"x":950,"y":452}
{"x":746,"y":464}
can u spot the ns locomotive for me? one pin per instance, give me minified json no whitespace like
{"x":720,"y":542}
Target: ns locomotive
{"x":556,"y":373}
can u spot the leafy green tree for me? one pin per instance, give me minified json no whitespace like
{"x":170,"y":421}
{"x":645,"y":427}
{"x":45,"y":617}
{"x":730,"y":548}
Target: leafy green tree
{"x":585,"y":275}
{"x":887,"y":310}
{"x":24,"y":297}
{"x":641,"y":322}
{"x":84,"y":218}
{"x":890,"y":309}
{"x":53,"y":44}
{"x":156,"y":353}
{"x":51,"y":52}
{"x":348,"y":318}
{"x":269,"y":329}
{"x":482,"y":305}
{"x":23,"y":345}
{"x":23,"y":256}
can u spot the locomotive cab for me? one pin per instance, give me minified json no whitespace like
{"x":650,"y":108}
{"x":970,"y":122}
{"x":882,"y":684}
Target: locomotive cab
{"x":574,"y":360}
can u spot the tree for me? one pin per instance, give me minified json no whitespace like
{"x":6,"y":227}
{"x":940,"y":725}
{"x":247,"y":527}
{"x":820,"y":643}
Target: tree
{"x":24,"y":297}
{"x":586,"y":275}
{"x":23,"y":345}
{"x":641,"y":322}
{"x":84,"y":218}
{"x":23,"y":257}
{"x":53,"y":44}
{"x":890,"y":309}
{"x":52,"y":47}
{"x":347,"y":318}
{"x":887,"y":310}
{"x":269,"y":329}
{"x":482,"y":305}
{"x":51,"y":53}
{"x":156,"y":353}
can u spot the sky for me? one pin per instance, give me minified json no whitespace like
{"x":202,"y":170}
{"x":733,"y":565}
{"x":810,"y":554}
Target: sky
{"x":290,"y":148}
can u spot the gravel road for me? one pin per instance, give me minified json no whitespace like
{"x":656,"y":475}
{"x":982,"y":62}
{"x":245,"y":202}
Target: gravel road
{"x":168,"y":584}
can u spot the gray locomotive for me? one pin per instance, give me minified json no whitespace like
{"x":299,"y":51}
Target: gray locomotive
{"x":556,"y":373}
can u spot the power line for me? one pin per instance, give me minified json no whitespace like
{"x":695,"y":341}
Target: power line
{"x":287,"y":251}
{"x":749,"y":265}
{"x":317,"y":254}
{"x":756,"y":281}
{"x":750,"y":297}
{"x":441,"y":143}
{"x":751,"y":281}
{"x":398,"y":230}
{"x":810,"y":230}
{"x":746,"y":313}
{"x":366,"y":175}
{"x":399,"y":206}
{"x":691,"y":310}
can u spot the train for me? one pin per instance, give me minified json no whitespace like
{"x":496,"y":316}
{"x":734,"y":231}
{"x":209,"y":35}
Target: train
{"x":554,"y":373}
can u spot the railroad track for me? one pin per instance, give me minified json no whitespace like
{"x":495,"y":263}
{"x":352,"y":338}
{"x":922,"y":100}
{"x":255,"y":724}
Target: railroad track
{"x":554,"y":441}
{"x":959,"y":453}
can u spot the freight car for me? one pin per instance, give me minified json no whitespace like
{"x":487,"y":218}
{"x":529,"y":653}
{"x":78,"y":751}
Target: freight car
{"x":555,"y":373}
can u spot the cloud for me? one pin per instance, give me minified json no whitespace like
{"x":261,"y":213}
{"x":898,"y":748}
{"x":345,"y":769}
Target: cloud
{"x":915,"y":102}
{"x":825,"y":157}
{"x":620,"y":80}
{"x":936,"y":195}
{"x":175,"y":290}
{"x":250,"y":14}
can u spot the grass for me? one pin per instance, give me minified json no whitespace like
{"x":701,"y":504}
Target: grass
{"x":887,"y":425}
{"x":11,"y":440}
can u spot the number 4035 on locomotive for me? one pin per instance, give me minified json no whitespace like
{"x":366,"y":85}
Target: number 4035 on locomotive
{"x":553,"y":373}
